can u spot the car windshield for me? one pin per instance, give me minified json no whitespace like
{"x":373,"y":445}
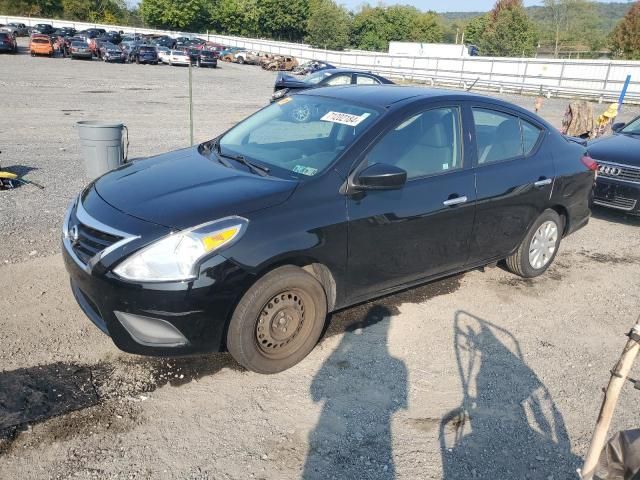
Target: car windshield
{"x":300,"y":135}
{"x":633,"y":127}
{"x":316,"y":77}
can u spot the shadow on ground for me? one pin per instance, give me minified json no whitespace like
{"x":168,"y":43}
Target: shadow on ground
{"x":361,"y":386}
{"x":616,"y":216}
{"x":508,"y":426}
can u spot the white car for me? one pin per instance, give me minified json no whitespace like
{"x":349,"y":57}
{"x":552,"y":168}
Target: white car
{"x":178,"y":57}
{"x":163,"y":54}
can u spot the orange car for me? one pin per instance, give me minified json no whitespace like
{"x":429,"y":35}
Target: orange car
{"x":41,"y":45}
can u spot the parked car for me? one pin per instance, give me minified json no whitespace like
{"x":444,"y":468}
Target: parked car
{"x":207,"y":58}
{"x":40,"y":44}
{"x":263,"y":230}
{"x":179,"y":57}
{"x":8,"y":43}
{"x":144,"y":54}
{"x":165,"y":41}
{"x":181,"y":42}
{"x":618,"y":183}
{"x":80,"y":49}
{"x":163,"y":54}
{"x":43,"y":28}
{"x":110,"y":52}
{"x":311,"y":66}
{"x":280,"y":63}
{"x":10,"y":29}
{"x":250,"y":57}
{"x":66,"y":45}
{"x":227,"y":55}
{"x":21,"y":28}
{"x":338,"y":76}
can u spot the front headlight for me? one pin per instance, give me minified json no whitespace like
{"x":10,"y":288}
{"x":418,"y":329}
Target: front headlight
{"x":280,"y":94}
{"x":176,"y":256}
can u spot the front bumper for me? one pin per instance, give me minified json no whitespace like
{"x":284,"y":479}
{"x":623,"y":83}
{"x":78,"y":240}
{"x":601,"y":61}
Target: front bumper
{"x":618,"y":195}
{"x":162,"y":319}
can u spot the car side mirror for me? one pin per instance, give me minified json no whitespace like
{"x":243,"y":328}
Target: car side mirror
{"x":616,"y":127}
{"x":380,"y":176}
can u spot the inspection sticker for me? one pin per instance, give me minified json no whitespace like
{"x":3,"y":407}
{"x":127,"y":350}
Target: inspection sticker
{"x":308,"y":171}
{"x":284,"y":101}
{"x":345,"y":118}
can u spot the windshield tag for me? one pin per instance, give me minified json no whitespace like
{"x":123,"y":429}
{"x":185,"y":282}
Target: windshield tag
{"x":308,"y":171}
{"x":345,"y":118}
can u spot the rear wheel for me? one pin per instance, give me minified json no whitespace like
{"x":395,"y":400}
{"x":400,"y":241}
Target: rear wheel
{"x":539,"y":247}
{"x":240,"y":60}
{"x":278,"y":321}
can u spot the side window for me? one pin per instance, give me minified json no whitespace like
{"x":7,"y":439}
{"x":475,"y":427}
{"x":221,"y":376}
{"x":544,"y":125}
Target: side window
{"x":366,"y":80}
{"x":339,"y":80}
{"x":425,"y":144}
{"x":498,"y":136}
{"x":530,"y":136}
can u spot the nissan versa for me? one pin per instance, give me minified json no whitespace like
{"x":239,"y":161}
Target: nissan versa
{"x":245,"y":242}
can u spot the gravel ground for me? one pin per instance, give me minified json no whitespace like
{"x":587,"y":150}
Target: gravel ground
{"x":481,"y":375}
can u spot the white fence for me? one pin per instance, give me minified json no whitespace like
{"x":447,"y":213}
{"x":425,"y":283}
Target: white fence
{"x":594,"y":79}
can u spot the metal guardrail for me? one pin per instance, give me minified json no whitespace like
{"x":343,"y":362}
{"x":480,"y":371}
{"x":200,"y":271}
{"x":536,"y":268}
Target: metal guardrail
{"x":592,"y":79}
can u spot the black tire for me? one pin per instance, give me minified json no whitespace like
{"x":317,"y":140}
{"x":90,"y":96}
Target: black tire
{"x":520,"y":263}
{"x":240,"y":60}
{"x":287,"y":297}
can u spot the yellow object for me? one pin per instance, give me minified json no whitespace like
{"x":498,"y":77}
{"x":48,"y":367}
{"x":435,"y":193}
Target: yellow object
{"x":612,"y":111}
{"x":8,"y":175}
{"x":219,"y":238}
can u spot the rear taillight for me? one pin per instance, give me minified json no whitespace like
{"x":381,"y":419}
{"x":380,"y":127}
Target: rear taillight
{"x":589,"y":162}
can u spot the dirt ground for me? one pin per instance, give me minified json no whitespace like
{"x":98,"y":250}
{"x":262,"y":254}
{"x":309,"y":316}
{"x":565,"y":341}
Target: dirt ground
{"x":481,"y":375}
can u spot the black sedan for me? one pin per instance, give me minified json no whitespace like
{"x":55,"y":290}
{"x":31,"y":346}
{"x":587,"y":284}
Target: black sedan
{"x":144,"y":54}
{"x":330,"y":77}
{"x":206,"y":58}
{"x":112,"y":53}
{"x":618,"y":184}
{"x":245,"y":242}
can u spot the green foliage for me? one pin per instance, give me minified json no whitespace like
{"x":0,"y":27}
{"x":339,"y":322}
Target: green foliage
{"x":509,"y":32}
{"x":168,"y":14}
{"x":475,"y":28}
{"x":328,"y":25}
{"x":283,"y":20}
{"x":235,"y":17}
{"x":625,"y":39}
{"x":374,"y":27}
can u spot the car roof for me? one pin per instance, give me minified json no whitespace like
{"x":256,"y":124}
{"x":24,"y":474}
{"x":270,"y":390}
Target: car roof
{"x":384,"y":96}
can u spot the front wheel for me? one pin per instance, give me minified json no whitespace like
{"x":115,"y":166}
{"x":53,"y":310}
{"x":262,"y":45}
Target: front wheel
{"x":539,"y":247}
{"x":278,"y":321}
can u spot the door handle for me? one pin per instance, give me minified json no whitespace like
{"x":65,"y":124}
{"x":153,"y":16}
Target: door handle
{"x":455,"y":201}
{"x":542,"y":182}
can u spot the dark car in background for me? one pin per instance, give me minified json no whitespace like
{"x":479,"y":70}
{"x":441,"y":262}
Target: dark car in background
{"x":80,"y":49}
{"x":8,"y":43}
{"x":146,"y":54}
{"x":112,"y":53}
{"x":618,"y":159}
{"x":43,"y":28}
{"x":165,"y":41}
{"x":245,"y":242}
{"x":286,"y":83}
{"x":181,"y":42}
{"x":207,"y":58}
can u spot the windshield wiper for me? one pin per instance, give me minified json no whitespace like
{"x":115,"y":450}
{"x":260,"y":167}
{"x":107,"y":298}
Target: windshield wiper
{"x":253,"y":167}
{"x":219,"y":157}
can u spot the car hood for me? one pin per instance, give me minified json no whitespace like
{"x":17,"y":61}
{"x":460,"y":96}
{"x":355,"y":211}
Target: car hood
{"x":618,"y":148}
{"x":288,"y":81}
{"x":182,"y":189}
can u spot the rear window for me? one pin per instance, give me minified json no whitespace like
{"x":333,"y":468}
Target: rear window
{"x":40,"y":40}
{"x":147,"y":49}
{"x":79,"y":44}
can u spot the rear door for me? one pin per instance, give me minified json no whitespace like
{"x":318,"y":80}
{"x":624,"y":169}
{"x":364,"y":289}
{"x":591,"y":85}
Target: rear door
{"x":514,"y":179}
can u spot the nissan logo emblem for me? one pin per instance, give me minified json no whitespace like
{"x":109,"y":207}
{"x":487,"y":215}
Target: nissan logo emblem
{"x":611,"y":171}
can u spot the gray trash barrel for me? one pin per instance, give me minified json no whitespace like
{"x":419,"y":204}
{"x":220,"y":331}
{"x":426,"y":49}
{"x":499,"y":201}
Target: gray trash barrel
{"x":101,"y":146}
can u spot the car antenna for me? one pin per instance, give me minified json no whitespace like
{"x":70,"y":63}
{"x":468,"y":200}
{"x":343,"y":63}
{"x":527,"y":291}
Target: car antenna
{"x":473,"y":84}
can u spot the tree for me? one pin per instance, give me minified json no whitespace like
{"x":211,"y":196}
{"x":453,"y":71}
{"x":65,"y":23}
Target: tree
{"x":283,"y":20}
{"x":235,"y":17}
{"x":191,"y":15}
{"x":567,"y":21}
{"x":328,"y":25}
{"x":374,"y":27}
{"x":509,"y":31}
{"x":625,"y":39}
{"x":474,"y":30}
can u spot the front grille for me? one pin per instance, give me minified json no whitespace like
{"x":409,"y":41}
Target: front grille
{"x":90,"y":242}
{"x":619,"y":172}
{"x":620,"y":203}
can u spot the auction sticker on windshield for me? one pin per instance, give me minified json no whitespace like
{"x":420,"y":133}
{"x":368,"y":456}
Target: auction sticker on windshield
{"x":308,"y":171}
{"x":345,"y":118}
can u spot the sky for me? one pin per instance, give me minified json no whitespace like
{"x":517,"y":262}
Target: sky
{"x":442,"y":5}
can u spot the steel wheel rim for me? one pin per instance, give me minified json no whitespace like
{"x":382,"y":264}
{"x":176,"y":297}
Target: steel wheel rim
{"x":543,"y":245}
{"x":283,"y":323}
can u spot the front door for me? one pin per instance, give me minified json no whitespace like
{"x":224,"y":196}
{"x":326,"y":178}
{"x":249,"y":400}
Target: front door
{"x":423,"y":228}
